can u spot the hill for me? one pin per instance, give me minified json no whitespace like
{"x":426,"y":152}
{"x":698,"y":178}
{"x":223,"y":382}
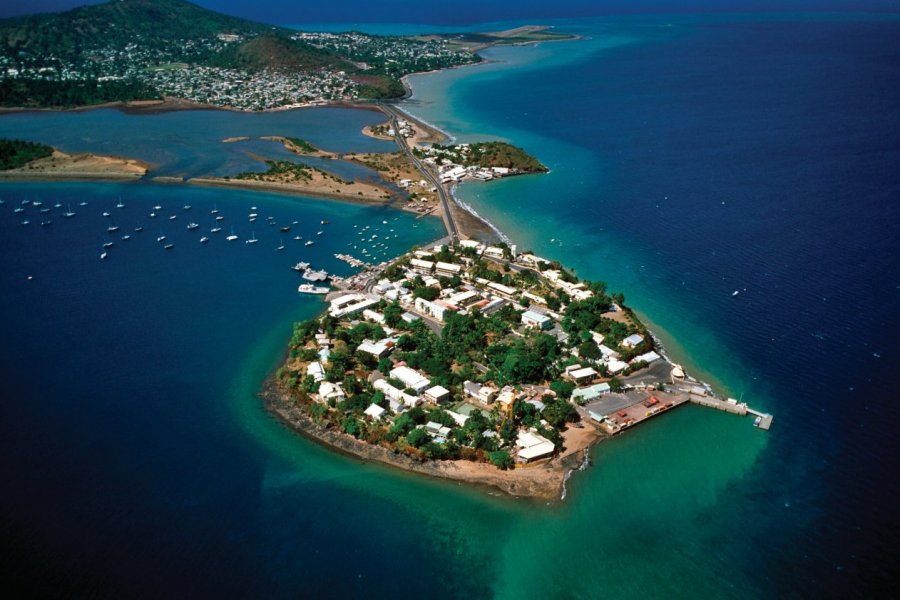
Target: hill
{"x":146,"y":49}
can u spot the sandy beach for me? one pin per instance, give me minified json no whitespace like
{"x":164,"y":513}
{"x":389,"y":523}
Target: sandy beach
{"x":61,"y":165}
{"x":354,"y":192}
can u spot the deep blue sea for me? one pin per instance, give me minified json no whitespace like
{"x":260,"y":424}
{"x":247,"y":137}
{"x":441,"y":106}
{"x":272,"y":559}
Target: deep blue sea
{"x":690,"y":158}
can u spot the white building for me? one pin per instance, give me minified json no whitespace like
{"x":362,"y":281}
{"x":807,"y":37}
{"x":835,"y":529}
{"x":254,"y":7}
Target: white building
{"x":431,"y":309}
{"x":436,"y":394}
{"x":395,"y":395}
{"x":378,"y":349}
{"x":632,"y":340}
{"x":421,"y":266}
{"x":503,"y":290}
{"x":374,"y":411}
{"x":316,"y":370}
{"x":536,"y":320}
{"x":330,"y":391}
{"x":584,"y":375}
{"x":447,"y":269}
{"x":410,"y":378}
{"x":647,"y":357}
{"x":533,"y":446}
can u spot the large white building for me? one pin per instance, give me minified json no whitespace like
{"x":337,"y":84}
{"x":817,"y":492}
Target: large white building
{"x":431,"y":309}
{"x":410,"y":378}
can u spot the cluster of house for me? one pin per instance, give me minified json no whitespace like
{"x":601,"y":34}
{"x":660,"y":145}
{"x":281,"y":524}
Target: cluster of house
{"x":447,"y":162}
{"x":397,"y":55}
{"x":405,"y":387}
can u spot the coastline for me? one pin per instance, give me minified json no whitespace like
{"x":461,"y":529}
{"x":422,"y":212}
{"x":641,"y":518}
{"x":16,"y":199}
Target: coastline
{"x":79,"y":166}
{"x":541,"y":482}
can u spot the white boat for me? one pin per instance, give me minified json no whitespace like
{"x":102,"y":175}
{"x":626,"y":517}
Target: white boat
{"x":309,"y":243}
{"x":108,"y":245}
{"x":252,"y":239}
{"x":187,"y":207}
{"x":153,"y":215}
{"x":308,"y":288}
{"x":298,"y":237}
{"x":18,"y":209}
{"x":319,"y":232}
{"x":126,"y":237}
{"x":215,"y":230}
{"x":173,"y":217}
{"x":219,"y":218}
{"x":192,"y":226}
{"x":204,"y":239}
{"x":37,"y":202}
{"x":26,"y":222}
{"x":69,"y":212}
{"x":157,"y":207}
{"x":102,"y":255}
{"x":82,"y":203}
{"x":311,"y":275}
{"x":160,"y":238}
{"x":168,"y":246}
{"x":112,"y":228}
{"x":46,"y":223}
{"x":301,"y":266}
{"x":215,"y":210}
{"x":139,"y":228}
{"x":253,"y":215}
{"x":232,"y":237}
{"x":105,"y":214}
{"x":120,"y":204}
{"x":57,"y":205}
{"x":734,"y":293}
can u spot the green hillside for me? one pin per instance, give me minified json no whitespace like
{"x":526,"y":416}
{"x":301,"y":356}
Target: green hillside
{"x":147,"y":49}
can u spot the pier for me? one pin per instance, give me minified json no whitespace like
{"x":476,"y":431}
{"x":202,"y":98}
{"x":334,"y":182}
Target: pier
{"x":734,"y":407}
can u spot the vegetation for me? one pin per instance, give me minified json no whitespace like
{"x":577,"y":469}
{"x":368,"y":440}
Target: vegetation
{"x":17,"y":153}
{"x":114,"y":48}
{"x":32,"y":93}
{"x":487,"y":154}
{"x":284,"y":171}
{"x":302,"y":145}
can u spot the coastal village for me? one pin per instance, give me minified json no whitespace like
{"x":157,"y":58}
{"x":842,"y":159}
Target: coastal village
{"x":478,"y":353}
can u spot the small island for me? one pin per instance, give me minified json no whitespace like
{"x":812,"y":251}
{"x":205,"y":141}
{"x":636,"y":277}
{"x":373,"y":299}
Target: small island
{"x":477,"y":363}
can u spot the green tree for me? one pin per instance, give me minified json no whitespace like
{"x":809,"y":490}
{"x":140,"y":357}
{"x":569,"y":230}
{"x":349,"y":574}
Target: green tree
{"x":501,"y":459}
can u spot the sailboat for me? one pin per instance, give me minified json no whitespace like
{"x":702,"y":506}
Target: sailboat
{"x":112,"y":228}
{"x":215,"y":210}
{"x":192,"y":226}
{"x":69,"y":212}
{"x":161,"y":236}
{"x":120,"y":204}
{"x":232,"y":237}
{"x":139,"y":228}
{"x":204,"y":239}
{"x":281,"y":247}
{"x":252,"y":239}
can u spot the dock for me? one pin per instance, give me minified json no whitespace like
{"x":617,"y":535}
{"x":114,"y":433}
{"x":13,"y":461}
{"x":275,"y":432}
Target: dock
{"x":734,"y":407}
{"x":765,"y":419}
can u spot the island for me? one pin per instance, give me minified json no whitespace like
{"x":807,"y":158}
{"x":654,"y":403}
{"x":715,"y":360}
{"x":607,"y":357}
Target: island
{"x":477,"y":363}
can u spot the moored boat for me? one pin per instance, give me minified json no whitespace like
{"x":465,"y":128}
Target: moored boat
{"x":308,"y":288}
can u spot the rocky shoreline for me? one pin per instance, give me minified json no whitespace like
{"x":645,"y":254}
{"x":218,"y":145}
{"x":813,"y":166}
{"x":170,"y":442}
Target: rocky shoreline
{"x":542,"y":482}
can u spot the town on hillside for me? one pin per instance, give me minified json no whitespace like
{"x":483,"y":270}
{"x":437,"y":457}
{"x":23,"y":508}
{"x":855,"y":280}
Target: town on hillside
{"x":478,"y":353}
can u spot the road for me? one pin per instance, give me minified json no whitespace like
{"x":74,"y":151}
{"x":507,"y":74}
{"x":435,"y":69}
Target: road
{"x":427,"y":173}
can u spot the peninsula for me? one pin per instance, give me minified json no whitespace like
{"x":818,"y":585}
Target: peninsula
{"x":466,"y":360}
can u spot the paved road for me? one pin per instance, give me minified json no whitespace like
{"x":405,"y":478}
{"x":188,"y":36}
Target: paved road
{"x":443,"y":195}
